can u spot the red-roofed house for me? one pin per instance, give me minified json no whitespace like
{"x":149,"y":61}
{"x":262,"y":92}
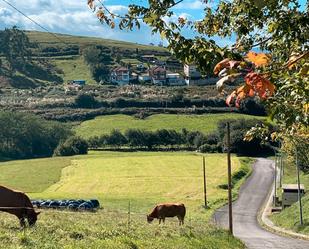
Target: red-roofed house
{"x":158,"y":75}
{"x":120,"y":75}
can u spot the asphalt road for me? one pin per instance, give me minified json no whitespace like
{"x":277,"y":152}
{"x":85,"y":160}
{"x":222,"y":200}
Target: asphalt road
{"x":245,"y":210}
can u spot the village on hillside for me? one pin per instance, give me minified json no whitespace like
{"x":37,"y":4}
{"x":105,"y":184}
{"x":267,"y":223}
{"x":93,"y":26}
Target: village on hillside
{"x":153,"y":71}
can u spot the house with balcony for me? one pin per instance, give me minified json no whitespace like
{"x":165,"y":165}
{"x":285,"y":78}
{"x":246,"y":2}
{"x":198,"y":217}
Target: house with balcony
{"x":120,"y":76}
{"x":158,"y":75}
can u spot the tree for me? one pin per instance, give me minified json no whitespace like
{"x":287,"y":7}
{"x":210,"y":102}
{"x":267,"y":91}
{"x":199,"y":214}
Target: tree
{"x":72,"y":146}
{"x":99,"y":60}
{"x":239,"y":129}
{"x":279,"y":27}
{"x":85,"y":101}
{"x":24,"y":136}
{"x":15,"y":46}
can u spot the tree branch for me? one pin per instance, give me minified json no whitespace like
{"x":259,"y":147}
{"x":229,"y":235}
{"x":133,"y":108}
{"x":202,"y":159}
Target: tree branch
{"x":261,"y":42}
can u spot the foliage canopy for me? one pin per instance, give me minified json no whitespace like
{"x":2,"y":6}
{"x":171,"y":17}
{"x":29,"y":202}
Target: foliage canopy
{"x":280,"y":28}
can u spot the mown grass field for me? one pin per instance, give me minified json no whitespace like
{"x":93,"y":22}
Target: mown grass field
{"x":206,"y":123}
{"x":289,"y":217}
{"x":74,"y":69}
{"x":115,"y":178}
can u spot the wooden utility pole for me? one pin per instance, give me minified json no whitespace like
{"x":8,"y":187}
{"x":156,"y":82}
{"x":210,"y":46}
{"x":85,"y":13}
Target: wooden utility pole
{"x":299,"y":193}
{"x":281,"y":166}
{"x":229,"y":173}
{"x":205,"y":193}
{"x":275,"y":180}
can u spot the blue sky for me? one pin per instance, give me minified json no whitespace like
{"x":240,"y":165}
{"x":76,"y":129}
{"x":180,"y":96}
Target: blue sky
{"x":74,"y":17}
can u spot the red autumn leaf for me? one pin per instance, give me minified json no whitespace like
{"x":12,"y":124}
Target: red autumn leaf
{"x":226,"y":63}
{"x":222,"y":64}
{"x":231,"y":98}
{"x":228,"y":78}
{"x":261,"y":86}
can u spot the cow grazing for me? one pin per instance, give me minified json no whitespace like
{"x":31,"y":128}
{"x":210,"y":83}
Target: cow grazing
{"x":18,"y":204}
{"x":161,"y":211}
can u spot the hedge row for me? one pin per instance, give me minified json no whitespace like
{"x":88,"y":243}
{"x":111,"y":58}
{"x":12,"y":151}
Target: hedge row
{"x":212,"y":143}
{"x":71,"y":114}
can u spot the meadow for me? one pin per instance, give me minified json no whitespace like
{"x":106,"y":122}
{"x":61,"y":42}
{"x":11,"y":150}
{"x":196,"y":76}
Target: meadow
{"x":73,"y":69}
{"x":119,"y":180}
{"x":206,"y":123}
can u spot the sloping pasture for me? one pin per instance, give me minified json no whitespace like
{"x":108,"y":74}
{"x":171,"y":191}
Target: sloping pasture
{"x":124,"y":183}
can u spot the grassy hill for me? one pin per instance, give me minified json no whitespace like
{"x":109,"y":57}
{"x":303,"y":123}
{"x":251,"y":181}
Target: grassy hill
{"x":46,"y":39}
{"x":59,"y":58}
{"x":115,"y":179}
{"x":73,"y":65}
{"x":105,"y":124}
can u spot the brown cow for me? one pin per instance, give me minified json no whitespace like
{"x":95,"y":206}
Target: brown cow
{"x":19,"y":204}
{"x":161,"y":211}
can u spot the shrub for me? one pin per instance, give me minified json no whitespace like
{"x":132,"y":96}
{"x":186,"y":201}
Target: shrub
{"x":72,"y":146}
{"x":94,"y":142}
{"x":85,"y":101}
{"x":210,"y":148}
{"x":116,"y":138}
{"x":252,"y":106}
{"x":212,"y":139}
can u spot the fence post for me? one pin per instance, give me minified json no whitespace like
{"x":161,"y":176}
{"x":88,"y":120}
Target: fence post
{"x":229,"y":171}
{"x":275,"y":180}
{"x":280,"y":172}
{"x":299,"y":193}
{"x":205,"y":193}
{"x":129,"y":215}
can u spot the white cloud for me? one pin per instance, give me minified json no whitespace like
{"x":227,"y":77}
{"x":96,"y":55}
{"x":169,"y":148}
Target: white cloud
{"x":70,"y":17}
{"x":74,"y":17}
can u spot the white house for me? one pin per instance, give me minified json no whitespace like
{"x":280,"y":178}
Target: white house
{"x":194,"y":77}
{"x":174,"y":79}
{"x":144,"y":77}
{"x":120,"y":76}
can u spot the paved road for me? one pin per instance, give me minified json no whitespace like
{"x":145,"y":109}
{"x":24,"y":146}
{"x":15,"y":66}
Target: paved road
{"x":252,"y":196}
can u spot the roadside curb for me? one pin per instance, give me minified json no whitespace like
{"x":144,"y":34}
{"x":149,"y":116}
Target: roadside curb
{"x":266,"y":223}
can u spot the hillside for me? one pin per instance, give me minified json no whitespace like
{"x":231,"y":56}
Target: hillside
{"x":46,"y":40}
{"x":65,"y":52}
{"x":62,"y":56}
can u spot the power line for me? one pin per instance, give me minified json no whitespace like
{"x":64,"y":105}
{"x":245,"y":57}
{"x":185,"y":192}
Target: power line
{"x":35,"y":22}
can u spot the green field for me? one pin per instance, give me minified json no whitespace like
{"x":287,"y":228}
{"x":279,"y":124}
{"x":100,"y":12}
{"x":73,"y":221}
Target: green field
{"x":115,"y":178}
{"x":74,"y":69}
{"x":206,"y":123}
{"x":289,"y":217}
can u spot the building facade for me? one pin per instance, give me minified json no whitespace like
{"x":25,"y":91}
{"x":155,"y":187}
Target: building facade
{"x":120,"y":76}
